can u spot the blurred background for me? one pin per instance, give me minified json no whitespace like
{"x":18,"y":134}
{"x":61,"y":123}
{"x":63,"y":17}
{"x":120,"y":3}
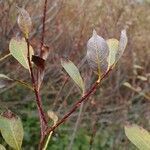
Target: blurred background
{"x":122,"y":97}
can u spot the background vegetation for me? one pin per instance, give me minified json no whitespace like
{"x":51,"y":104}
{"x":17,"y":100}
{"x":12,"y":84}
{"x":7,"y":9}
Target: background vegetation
{"x":68,"y":27}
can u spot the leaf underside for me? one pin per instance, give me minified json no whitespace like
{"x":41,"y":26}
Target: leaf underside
{"x":18,"y":49}
{"x":73,"y":72}
{"x":12,"y":131}
{"x":2,"y":147}
{"x":97,"y":53}
{"x":24,"y":21}
{"x":113,"y":45}
{"x":138,"y":136}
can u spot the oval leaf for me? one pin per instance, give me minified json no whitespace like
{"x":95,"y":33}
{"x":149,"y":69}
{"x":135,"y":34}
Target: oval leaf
{"x":97,"y":53}
{"x":113,"y":45}
{"x":122,"y":44}
{"x":73,"y":72}
{"x":138,"y":136}
{"x":2,"y":147}
{"x":12,"y":130}
{"x":24,"y":21}
{"x":18,"y":49}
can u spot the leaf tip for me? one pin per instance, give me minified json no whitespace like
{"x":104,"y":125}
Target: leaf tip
{"x":94,"y":33}
{"x":124,"y":34}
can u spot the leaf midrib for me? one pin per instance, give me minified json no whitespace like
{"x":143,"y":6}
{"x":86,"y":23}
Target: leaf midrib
{"x":11,"y":129}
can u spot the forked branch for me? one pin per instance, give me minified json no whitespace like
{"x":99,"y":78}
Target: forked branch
{"x":73,"y":109}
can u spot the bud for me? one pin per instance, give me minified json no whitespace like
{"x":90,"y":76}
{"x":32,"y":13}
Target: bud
{"x":24,"y":21}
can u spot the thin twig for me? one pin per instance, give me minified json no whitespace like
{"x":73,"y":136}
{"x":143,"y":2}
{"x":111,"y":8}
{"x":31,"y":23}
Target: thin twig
{"x":65,"y":99}
{"x":77,"y":104}
{"x":43,"y":26}
{"x":94,"y":129}
{"x":4,"y":57}
{"x":76,"y":127}
{"x":42,"y":38}
{"x":43,"y":121}
{"x":59,"y":92}
{"x":73,"y":109}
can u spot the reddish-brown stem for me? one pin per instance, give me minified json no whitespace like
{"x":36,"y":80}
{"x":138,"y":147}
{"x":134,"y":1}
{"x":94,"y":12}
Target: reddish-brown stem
{"x":42,"y":37}
{"x":73,"y":109}
{"x":42,"y":117}
{"x":43,"y":26}
{"x":43,"y":121}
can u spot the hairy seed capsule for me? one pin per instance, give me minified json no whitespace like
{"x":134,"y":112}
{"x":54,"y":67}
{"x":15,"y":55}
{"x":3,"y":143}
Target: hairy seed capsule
{"x":24,"y":21}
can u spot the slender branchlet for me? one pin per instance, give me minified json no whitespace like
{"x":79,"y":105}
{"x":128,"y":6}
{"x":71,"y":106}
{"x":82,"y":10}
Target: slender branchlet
{"x":74,"y":108}
{"x":42,"y":117}
{"x":43,"y":26}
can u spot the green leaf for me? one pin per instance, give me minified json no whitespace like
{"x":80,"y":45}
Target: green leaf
{"x":138,"y":136}
{"x":2,"y":147}
{"x":73,"y":72}
{"x":116,"y":48}
{"x":18,"y":49}
{"x":24,"y":21}
{"x":113,"y":45}
{"x":11,"y":129}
